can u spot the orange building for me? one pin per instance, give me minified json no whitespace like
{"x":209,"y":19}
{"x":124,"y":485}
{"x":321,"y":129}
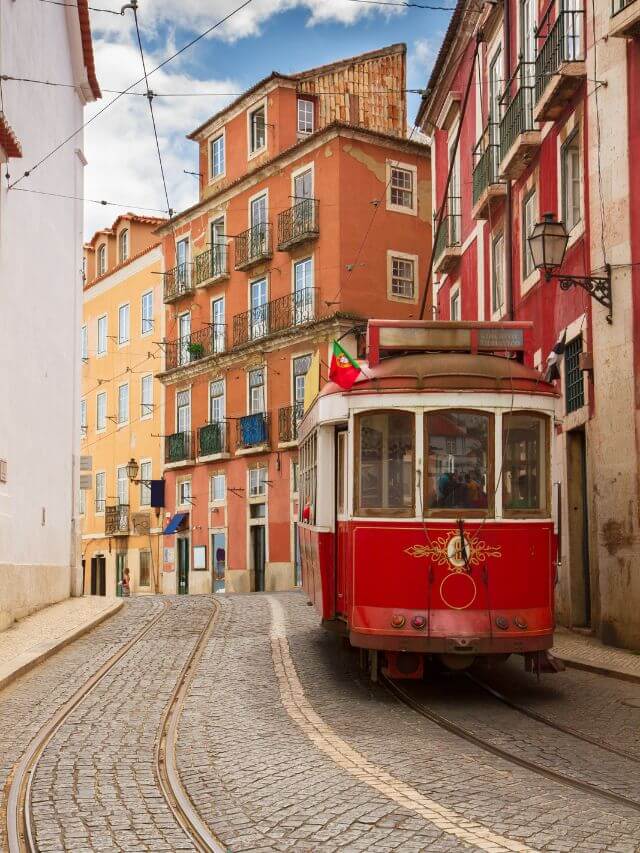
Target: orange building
{"x":314,"y":214}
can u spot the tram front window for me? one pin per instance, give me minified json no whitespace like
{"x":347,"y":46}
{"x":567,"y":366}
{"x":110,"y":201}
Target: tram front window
{"x":524,"y":472}
{"x":386,"y":457}
{"x":459,"y":461}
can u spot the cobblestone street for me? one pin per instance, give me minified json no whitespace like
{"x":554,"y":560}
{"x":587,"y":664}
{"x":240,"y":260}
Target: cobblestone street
{"x":284,"y":744}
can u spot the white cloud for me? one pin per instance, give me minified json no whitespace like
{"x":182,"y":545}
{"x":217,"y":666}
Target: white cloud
{"x":422,"y":55}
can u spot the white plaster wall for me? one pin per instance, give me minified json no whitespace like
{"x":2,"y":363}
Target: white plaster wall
{"x":40,"y":290}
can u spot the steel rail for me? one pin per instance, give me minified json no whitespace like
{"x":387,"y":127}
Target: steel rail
{"x":555,"y":775}
{"x":165,"y":754}
{"x":19,"y":817}
{"x":549,"y":721}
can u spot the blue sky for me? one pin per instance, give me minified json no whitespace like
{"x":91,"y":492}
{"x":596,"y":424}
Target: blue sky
{"x":282,"y":35}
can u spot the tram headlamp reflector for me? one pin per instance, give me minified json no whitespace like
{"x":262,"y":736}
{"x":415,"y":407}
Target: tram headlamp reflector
{"x":418,"y":622}
{"x":398,"y":620}
{"x":502,"y":622}
{"x":520,"y":622}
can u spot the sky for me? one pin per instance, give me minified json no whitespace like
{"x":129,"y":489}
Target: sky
{"x":267,"y":35}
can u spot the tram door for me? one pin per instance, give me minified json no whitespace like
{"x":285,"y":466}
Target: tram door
{"x":341,"y":538}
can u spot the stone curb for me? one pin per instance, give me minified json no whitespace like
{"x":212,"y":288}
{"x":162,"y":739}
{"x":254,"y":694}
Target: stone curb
{"x":577,"y":663}
{"x":26,"y":661}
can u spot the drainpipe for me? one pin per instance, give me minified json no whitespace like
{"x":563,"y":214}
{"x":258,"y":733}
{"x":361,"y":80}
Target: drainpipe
{"x":508,"y":242}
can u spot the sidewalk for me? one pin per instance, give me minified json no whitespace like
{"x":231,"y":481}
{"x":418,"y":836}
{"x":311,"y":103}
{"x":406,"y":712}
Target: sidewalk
{"x":35,"y":637}
{"x":587,"y":652}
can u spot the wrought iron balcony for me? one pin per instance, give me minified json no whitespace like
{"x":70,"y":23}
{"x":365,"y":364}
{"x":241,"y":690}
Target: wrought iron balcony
{"x":519,"y":134}
{"x":177,"y":283}
{"x":560,"y":65}
{"x":178,"y":447}
{"x":252,"y":430}
{"x":253,"y":246}
{"x":185,"y":350}
{"x":487,"y":186}
{"x":625,"y":19}
{"x":298,"y":224}
{"x":448,"y":246}
{"x":213,"y":438}
{"x":211,"y":266}
{"x":116,"y":520}
{"x":289,"y":418}
{"x":279,"y":315}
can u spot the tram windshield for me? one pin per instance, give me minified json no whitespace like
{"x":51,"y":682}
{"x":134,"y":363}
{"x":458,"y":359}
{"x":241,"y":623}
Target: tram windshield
{"x":459,"y":460}
{"x":386,"y":453}
{"x":524,"y":463}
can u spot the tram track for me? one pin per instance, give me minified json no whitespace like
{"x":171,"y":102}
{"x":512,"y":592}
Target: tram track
{"x":485,"y":744}
{"x":21,"y":834}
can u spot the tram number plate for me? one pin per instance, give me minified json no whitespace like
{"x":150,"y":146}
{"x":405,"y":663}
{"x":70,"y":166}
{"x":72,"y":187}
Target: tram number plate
{"x":494,"y":338}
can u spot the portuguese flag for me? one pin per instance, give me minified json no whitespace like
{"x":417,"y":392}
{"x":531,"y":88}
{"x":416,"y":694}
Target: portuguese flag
{"x":343,"y":369}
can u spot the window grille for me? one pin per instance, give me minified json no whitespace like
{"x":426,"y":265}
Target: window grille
{"x":574,"y":383}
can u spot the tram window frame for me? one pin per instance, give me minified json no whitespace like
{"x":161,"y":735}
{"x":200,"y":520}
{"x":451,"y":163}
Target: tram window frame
{"x":308,"y":476}
{"x":458,"y":512}
{"x":544,"y":511}
{"x":382,"y":512}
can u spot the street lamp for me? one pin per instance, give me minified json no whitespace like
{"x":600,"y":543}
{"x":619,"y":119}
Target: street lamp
{"x":132,"y":469}
{"x":548,"y":243}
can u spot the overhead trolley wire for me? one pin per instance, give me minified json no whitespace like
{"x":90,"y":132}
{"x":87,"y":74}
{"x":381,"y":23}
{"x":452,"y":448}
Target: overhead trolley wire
{"x":90,"y":200}
{"x":75,"y":5}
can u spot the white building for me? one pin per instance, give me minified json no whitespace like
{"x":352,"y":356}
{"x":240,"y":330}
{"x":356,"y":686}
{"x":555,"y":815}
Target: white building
{"x":41,"y":300}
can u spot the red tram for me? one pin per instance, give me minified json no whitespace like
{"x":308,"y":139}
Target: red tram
{"x":428,"y":526}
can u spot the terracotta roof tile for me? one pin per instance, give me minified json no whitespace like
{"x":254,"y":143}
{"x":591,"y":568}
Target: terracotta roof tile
{"x":8,"y":140}
{"x":87,"y":47}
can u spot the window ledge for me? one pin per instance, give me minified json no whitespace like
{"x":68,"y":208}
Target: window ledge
{"x":286,"y":445}
{"x":249,"y":451}
{"x":183,"y":463}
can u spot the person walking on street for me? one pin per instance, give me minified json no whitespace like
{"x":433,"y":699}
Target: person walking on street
{"x":126,"y":584}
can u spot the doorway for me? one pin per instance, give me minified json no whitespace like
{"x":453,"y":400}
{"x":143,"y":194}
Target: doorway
{"x":218,"y":559}
{"x":183,"y":565}
{"x":580,"y":579}
{"x":121,"y":562}
{"x":258,"y":554}
{"x":98,"y":575}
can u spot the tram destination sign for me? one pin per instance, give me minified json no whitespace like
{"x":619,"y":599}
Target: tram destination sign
{"x":496,"y":338}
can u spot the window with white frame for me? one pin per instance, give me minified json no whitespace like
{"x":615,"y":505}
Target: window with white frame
{"x":258,"y":320}
{"x":82,"y":503}
{"x":217,"y":488}
{"x":146,"y":396}
{"x":303,"y":291}
{"x":123,"y":324}
{"x":528,"y":221}
{"x":216,"y":401}
{"x":257,"y":130}
{"x":218,"y":247}
{"x":122,"y":483}
{"x":145,"y":483}
{"x":123,"y":403}
{"x":497,"y":274}
{"x":218,"y":324}
{"x":123,"y":245}
{"x":300,"y":366}
{"x":257,"y":481}
{"x":101,"y":490}
{"x":454,"y":305}
{"x":102,"y":259}
{"x":183,"y":411}
{"x":102,"y":335}
{"x":184,"y":492}
{"x":146,"y":325}
{"x":570,"y":181}
{"x":256,"y":391}
{"x":83,"y":418}
{"x":401,"y":188}
{"x":217,"y":156}
{"x":305,"y":115}
{"x":84,"y":343}
{"x":101,"y":410}
{"x":184,"y":335}
{"x":403,"y":277}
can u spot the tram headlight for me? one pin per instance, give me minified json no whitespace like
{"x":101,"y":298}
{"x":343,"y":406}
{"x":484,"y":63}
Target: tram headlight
{"x":520,"y":622}
{"x":418,"y":622}
{"x":398,"y":620}
{"x":502,"y":622}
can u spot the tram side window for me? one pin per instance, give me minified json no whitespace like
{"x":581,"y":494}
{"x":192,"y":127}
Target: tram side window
{"x":308,"y":479}
{"x":386,"y":463}
{"x":524,"y":464}
{"x":459,"y":462}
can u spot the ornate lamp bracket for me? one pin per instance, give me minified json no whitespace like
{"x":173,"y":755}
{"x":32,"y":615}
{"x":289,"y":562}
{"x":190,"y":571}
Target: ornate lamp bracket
{"x":598,"y":287}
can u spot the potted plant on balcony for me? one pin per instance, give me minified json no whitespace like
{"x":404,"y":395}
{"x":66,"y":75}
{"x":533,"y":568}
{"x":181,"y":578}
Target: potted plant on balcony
{"x":195,"y":350}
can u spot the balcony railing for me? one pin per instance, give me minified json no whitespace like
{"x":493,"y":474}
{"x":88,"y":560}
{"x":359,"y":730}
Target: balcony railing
{"x":564,"y":42}
{"x":252,"y":430}
{"x":294,"y":309}
{"x":289,"y":418}
{"x":486,"y":156}
{"x":253,"y":246}
{"x":450,"y":229}
{"x":211,"y":264}
{"x":116,"y":519}
{"x":178,"y":282}
{"x":517,"y":102}
{"x":212,"y":438}
{"x":178,"y":447}
{"x":208,"y":341}
{"x":298,"y":224}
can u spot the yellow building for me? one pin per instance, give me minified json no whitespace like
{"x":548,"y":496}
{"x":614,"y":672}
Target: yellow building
{"x":122,"y":406}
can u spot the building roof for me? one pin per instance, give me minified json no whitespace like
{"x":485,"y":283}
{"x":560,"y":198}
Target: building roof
{"x":87,"y":47}
{"x":297,"y":77}
{"x":8,"y":140}
{"x":89,"y":284}
{"x":334,"y":127}
{"x":129,"y":217}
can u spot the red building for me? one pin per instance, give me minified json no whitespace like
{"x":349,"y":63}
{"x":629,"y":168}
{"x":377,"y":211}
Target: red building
{"x":314,"y":214}
{"x":516,"y":109}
